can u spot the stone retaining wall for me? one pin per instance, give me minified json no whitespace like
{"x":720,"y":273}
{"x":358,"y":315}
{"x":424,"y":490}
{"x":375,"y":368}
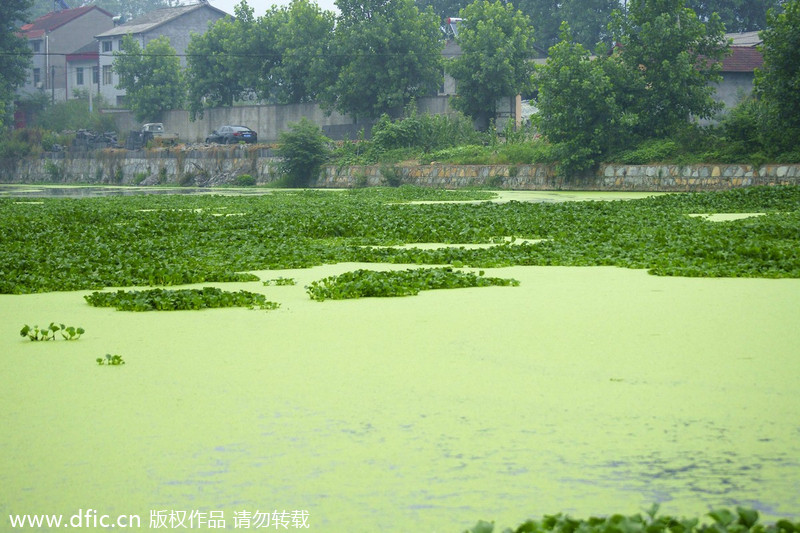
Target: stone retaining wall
{"x":543,"y":177}
{"x":223,"y":165}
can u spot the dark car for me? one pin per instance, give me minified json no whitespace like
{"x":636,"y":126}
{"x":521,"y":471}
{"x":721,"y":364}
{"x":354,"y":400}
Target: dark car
{"x":232,"y":135}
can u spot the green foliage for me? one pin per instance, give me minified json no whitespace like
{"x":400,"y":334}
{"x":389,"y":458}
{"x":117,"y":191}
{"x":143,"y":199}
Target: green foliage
{"x":134,"y":8}
{"x":152,"y":78}
{"x":304,"y":148}
{"x":75,"y":115}
{"x":670,"y":59}
{"x":737,"y":15}
{"x":743,"y":520}
{"x":304,"y":39}
{"x":245,"y":180}
{"x":178,"y":300}
{"x":110,"y":360}
{"x":216,"y":73}
{"x":369,"y":283}
{"x":17,"y":145}
{"x":588,"y":18}
{"x":391,"y":175}
{"x":154,"y":240}
{"x":778,"y":82}
{"x":496,"y":47}
{"x":68,"y":333}
{"x":385,"y":54}
{"x":578,"y":108}
{"x":14,"y":55}
{"x":280,"y":281}
{"x":423,"y":131}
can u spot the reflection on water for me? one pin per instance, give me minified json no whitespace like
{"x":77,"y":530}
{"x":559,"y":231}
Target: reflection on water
{"x":30,"y":191}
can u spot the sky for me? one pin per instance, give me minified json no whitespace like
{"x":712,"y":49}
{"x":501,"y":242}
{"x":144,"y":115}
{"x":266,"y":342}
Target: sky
{"x":261,"y":6}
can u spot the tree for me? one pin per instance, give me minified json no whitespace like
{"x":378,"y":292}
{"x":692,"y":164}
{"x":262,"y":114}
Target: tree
{"x":443,"y":8}
{"x":152,"y":79}
{"x":778,"y":82}
{"x":305,"y":38}
{"x":497,"y":50}
{"x":221,"y":64}
{"x":673,"y":58}
{"x":386,"y":53}
{"x":588,"y":20}
{"x":737,"y":15}
{"x":579,"y":112}
{"x":128,"y":8}
{"x":14,"y":54}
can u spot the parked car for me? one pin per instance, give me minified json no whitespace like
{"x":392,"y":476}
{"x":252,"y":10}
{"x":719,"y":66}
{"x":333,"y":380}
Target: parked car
{"x":232,"y":135}
{"x":155,"y":130}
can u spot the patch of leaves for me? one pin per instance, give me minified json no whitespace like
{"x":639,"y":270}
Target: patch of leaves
{"x":178,"y":300}
{"x":370,"y":283}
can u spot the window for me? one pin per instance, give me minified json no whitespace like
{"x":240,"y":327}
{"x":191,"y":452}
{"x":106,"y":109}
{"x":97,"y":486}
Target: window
{"x":37,"y":77}
{"x":96,"y":75}
{"x":119,"y":45}
{"x":79,"y":76}
{"x":107,"y":46}
{"x":37,"y":46}
{"x":107,"y":75}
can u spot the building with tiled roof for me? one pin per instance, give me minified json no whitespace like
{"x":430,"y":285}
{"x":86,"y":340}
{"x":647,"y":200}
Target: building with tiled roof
{"x":52,"y":37}
{"x":176,"y":23}
{"x":738,"y":69}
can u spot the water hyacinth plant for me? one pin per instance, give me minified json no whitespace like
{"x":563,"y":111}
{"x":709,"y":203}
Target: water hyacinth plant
{"x":36,"y":333}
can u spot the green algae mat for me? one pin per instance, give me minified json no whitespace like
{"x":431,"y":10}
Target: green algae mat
{"x":581,"y":390}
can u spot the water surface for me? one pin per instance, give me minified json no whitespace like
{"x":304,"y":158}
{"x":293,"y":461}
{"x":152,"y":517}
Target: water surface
{"x":584,"y":390}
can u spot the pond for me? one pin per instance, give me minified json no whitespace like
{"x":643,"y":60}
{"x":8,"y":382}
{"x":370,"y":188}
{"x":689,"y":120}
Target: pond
{"x":583,"y":390}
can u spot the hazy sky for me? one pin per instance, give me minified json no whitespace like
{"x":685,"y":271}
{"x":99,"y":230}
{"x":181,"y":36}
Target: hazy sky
{"x":261,"y":6}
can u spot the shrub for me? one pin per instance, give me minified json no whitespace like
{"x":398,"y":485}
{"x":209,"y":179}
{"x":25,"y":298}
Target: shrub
{"x":304,"y":149}
{"x":391,"y":175}
{"x":245,"y":180}
{"x":423,"y":131}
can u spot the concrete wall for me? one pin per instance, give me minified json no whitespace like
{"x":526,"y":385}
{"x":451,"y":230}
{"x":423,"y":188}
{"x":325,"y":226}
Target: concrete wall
{"x":267,"y":120}
{"x":222,"y":165}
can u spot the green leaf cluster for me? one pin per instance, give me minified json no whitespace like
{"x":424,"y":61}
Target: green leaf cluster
{"x":778,"y":82}
{"x":662,"y":72}
{"x":178,"y":300}
{"x":303,"y":149}
{"x":363,"y":283}
{"x":496,"y":43}
{"x":14,"y":55}
{"x":157,"y":240}
{"x":384,"y":55}
{"x":35,"y":333}
{"x":152,"y":78}
{"x":110,"y":360}
{"x":743,"y":520}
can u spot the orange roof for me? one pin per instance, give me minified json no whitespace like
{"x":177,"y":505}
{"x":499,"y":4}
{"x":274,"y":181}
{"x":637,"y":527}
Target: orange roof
{"x":54,"y":20}
{"x":743,"y":59}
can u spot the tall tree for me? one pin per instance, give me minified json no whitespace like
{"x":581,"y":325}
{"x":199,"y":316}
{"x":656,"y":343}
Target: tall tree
{"x":304,"y":38}
{"x":128,"y":8}
{"x":675,"y":58}
{"x":737,"y":15}
{"x":14,"y":53}
{"x":387,"y":53}
{"x":222,"y":63}
{"x":152,"y":78}
{"x":588,"y":20}
{"x":579,"y":111}
{"x":496,"y":43}
{"x":778,"y":82}
{"x":443,"y":8}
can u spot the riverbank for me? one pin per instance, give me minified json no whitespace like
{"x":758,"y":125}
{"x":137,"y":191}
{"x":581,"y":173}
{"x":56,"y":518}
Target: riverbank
{"x":225,"y":166}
